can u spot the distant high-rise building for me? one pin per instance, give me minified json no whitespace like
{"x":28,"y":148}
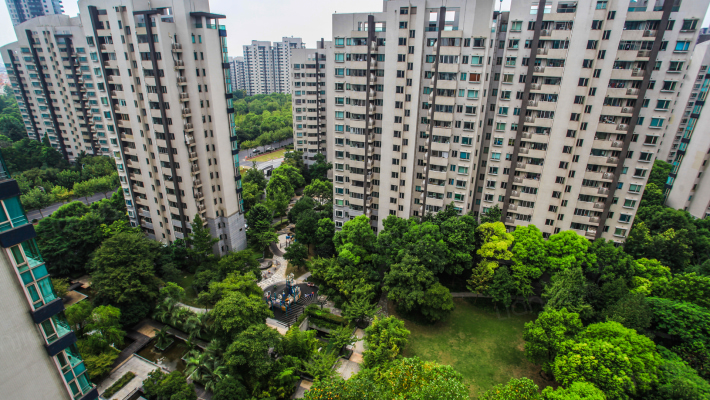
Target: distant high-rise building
{"x":687,"y":143}
{"x":158,"y":100}
{"x":39,"y":348}
{"x":308,"y":88}
{"x":70,"y":105}
{"x":236,"y":66}
{"x":267,"y":67}
{"x":543,"y":110}
{"x":24,"y":10}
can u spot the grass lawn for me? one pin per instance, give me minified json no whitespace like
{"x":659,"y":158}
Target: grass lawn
{"x":292,"y":269}
{"x":270,"y":156}
{"x":185,"y":282}
{"x":486,"y":347}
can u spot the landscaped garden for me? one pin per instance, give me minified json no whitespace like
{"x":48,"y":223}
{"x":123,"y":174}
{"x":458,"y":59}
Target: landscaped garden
{"x":484,"y":345}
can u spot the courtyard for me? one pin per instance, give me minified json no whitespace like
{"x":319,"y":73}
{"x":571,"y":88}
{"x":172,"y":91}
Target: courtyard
{"x":484,"y":345}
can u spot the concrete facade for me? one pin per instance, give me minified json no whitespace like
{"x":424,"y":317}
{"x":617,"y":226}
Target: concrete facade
{"x":24,"y":10}
{"x":308,"y":88}
{"x":445,"y":102}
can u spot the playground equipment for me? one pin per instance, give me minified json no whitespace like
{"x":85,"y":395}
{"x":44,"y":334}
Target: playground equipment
{"x":288,"y":296}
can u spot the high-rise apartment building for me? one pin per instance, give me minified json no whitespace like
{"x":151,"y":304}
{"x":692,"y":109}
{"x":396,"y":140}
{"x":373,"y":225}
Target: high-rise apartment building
{"x":59,"y":85}
{"x":687,"y":145}
{"x":308,"y":88}
{"x":543,"y":110}
{"x":238,"y":73}
{"x":24,"y":10}
{"x":40,"y":357}
{"x":167,"y":72}
{"x":148,"y":84}
{"x":267,"y":66}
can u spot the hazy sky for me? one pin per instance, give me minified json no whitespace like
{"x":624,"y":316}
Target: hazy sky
{"x":261,"y":19}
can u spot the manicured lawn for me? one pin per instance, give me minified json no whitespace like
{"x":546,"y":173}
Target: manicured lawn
{"x":270,"y":156}
{"x":484,"y":346}
{"x":185,"y":282}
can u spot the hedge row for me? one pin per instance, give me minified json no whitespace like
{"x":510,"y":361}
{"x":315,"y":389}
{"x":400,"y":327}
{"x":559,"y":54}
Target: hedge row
{"x":120,"y":383}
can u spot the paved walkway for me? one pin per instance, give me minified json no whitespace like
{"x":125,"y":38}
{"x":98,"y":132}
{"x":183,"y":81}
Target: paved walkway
{"x":278,"y":272}
{"x":139,"y":341}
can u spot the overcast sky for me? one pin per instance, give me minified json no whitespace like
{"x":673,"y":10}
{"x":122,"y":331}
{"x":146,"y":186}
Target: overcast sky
{"x":261,"y":19}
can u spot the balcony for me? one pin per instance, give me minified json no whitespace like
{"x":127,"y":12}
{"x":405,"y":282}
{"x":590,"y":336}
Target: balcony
{"x":649,"y":33}
{"x":622,"y":127}
{"x":184,"y":97}
{"x":590,"y":233}
{"x":612,"y":160}
{"x":186,"y":112}
{"x":177,"y":48}
{"x":181,"y":80}
{"x":512,"y":207}
{"x":198,"y":195}
{"x":603,"y":190}
{"x":188,"y":127}
{"x":193,"y":155}
{"x":194,"y":168}
{"x":594,"y":220}
{"x":599,"y":206}
{"x":179,"y":64}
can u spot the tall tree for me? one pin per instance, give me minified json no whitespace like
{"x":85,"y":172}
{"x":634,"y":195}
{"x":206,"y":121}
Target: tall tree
{"x":384,"y":341}
{"x":545,"y":337}
{"x":123,"y":273}
{"x":201,"y":242}
{"x":615,"y":359}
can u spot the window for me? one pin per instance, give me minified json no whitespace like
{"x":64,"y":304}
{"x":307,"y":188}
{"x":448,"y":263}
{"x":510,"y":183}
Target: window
{"x":682,"y":46}
{"x":640,"y":172}
{"x":620,"y":232}
{"x":669,"y":86}
{"x":629,"y":203}
{"x":635,"y":188}
{"x":656,"y":123}
{"x":689,"y":25}
{"x":601,"y":5}
{"x":340,"y":57}
{"x":662,"y":104}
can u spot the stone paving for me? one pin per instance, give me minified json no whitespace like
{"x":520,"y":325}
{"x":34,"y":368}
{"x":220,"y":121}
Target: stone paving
{"x":136,"y":364}
{"x":277,"y":273}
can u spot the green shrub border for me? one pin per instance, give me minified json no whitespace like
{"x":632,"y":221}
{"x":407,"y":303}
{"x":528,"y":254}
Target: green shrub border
{"x":119,"y":384}
{"x":325,"y":319}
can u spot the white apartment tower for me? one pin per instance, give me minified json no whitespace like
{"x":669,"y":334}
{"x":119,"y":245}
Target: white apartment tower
{"x":24,"y":10}
{"x":267,"y":67}
{"x":687,"y":146}
{"x":308,"y":88}
{"x":437,"y":102}
{"x":60,"y":93}
{"x":166,"y":68}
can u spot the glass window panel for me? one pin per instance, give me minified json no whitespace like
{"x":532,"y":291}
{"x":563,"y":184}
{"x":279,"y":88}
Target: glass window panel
{"x":79,"y":369}
{"x":34,"y":295}
{"x":14,"y":208}
{"x":73,"y":354}
{"x":45,"y":286}
{"x":17,"y":255}
{"x":40,"y":272}
{"x":84,"y":382}
{"x":49,"y":332}
{"x":32,"y":252}
{"x":4,"y":221}
{"x":61,"y":324}
{"x":26,"y":277}
{"x":69,"y":376}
